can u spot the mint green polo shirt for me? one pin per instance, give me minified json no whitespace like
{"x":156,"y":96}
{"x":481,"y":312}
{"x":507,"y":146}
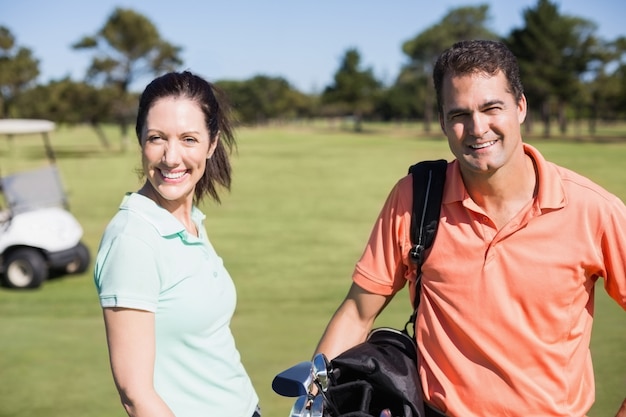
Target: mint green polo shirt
{"x":148,"y":261}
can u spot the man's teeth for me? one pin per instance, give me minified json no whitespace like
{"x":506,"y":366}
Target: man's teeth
{"x":482,"y":145}
{"x":173,"y":175}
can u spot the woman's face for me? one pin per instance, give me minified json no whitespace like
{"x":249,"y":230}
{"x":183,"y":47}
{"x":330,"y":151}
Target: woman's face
{"x":175,"y":147}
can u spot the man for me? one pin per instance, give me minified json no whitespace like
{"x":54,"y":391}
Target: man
{"x":505,"y":311}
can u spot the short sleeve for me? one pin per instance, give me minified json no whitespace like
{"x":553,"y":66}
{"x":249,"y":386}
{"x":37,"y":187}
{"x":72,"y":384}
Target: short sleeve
{"x":383,"y":266}
{"x":614,"y":221}
{"x":127,"y":274}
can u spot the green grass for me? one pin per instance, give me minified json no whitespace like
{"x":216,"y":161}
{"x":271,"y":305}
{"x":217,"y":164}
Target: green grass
{"x":300,"y":211}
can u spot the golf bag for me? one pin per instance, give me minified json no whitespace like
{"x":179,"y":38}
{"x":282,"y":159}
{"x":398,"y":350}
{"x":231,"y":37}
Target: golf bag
{"x":379,"y":377}
{"x":380,"y":374}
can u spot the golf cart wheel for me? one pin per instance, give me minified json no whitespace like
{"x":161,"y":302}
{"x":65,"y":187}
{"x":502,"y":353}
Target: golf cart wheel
{"x":81,"y":260}
{"x":25,"y":268}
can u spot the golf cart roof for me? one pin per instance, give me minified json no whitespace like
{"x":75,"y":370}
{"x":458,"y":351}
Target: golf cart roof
{"x":25,"y":126}
{"x":29,"y":190}
{"x":11,"y":127}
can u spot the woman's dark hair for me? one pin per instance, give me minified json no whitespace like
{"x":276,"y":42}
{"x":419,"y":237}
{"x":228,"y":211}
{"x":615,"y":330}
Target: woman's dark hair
{"x":477,"y":56}
{"x":216,"y":110}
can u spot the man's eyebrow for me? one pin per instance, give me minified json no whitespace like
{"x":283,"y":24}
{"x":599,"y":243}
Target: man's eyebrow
{"x":456,"y":110}
{"x":492,"y":103}
{"x":461,"y":110}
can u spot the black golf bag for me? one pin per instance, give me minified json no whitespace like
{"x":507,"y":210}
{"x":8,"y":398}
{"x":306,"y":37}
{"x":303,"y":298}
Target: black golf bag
{"x":379,"y":374}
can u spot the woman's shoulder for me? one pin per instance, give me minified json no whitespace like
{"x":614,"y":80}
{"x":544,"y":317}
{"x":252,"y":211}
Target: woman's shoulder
{"x":130,"y":221}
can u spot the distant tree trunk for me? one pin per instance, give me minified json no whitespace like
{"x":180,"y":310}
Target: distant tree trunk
{"x":101,"y":135}
{"x":3,"y":107}
{"x":7,"y":107}
{"x":428,"y":112}
{"x":593,"y":118}
{"x":562,"y":117}
{"x":545,"y":116}
{"x":124,"y":140}
{"x":358,"y":122}
{"x":578,"y":116}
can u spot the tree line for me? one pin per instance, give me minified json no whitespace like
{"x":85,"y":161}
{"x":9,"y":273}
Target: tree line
{"x":569,"y":74}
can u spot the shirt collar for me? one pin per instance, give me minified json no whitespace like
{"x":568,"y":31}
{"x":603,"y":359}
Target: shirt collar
{"x":162,"y":220}
{"x":550,"y":192}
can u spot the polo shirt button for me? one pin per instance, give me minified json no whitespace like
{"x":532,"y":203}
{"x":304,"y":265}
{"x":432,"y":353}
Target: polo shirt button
{"x":215,"y":273}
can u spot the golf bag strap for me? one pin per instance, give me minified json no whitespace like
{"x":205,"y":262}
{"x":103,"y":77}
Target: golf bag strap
{"x":428,"y":181}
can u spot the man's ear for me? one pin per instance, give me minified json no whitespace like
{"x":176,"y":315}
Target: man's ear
{"x":522,"y":107}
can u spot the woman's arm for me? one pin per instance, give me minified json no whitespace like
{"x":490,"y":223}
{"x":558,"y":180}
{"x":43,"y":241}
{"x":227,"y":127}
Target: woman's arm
{"x":131,"y":341}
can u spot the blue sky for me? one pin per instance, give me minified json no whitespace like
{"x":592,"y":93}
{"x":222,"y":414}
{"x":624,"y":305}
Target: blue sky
{"x":302,"y":41}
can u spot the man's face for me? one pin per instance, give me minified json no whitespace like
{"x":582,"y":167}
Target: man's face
{"x":481,"y":120}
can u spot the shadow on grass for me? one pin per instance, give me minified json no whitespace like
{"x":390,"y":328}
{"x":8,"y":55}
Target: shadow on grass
{"x":60,"y":154}
{"x":55,"y":277}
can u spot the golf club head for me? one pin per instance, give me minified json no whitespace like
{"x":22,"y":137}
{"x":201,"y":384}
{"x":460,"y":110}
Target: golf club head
{"x":322,"y":371}
{"x":317,"y":406}
{"x":299,"y":407}
{"x":294,"y":381}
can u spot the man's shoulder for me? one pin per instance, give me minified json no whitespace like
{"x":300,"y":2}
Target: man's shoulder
{"x":580,"y":184}
{"x":571,"y":180}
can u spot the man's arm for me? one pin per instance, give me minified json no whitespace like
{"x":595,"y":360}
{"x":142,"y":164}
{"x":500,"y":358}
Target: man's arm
{"x":352,"y":321}
{"x":622,"y":410}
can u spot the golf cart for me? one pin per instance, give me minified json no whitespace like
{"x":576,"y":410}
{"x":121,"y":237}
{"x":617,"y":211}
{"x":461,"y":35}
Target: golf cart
{"x":39,"y":237}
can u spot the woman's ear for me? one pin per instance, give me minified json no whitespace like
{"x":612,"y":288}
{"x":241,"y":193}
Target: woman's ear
{"x":213,"y":146}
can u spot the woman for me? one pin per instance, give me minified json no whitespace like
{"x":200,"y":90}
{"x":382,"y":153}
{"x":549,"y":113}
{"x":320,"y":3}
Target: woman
{"x":167,"y":299}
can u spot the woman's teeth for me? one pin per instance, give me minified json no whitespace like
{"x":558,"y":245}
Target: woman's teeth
{"x":173,"y":175}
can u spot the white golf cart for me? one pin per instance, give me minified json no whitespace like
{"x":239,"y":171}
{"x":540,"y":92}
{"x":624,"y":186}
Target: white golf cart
{"x":39,"y":237}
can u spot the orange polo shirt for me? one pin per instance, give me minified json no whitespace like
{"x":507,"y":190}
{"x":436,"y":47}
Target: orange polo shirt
{"x":505,"y":315}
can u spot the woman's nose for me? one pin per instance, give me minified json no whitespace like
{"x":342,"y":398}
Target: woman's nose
{"x":171,"y":153}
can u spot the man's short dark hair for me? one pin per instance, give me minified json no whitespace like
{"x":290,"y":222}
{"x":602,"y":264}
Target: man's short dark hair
{"x":477,"y":56}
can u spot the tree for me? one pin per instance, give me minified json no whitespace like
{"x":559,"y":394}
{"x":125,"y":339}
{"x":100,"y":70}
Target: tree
{"x":127,"y":48}
{"x":553,"y":52}
{"x":262,"y":98}
{"x":404,"y":100}
{"x":70,"y":102}
{"x":607,"y":85}
{"x":463,"y":23}
{"x":619,"y":47}
{"x":18,"y":71}
{"x":353,"y":91}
